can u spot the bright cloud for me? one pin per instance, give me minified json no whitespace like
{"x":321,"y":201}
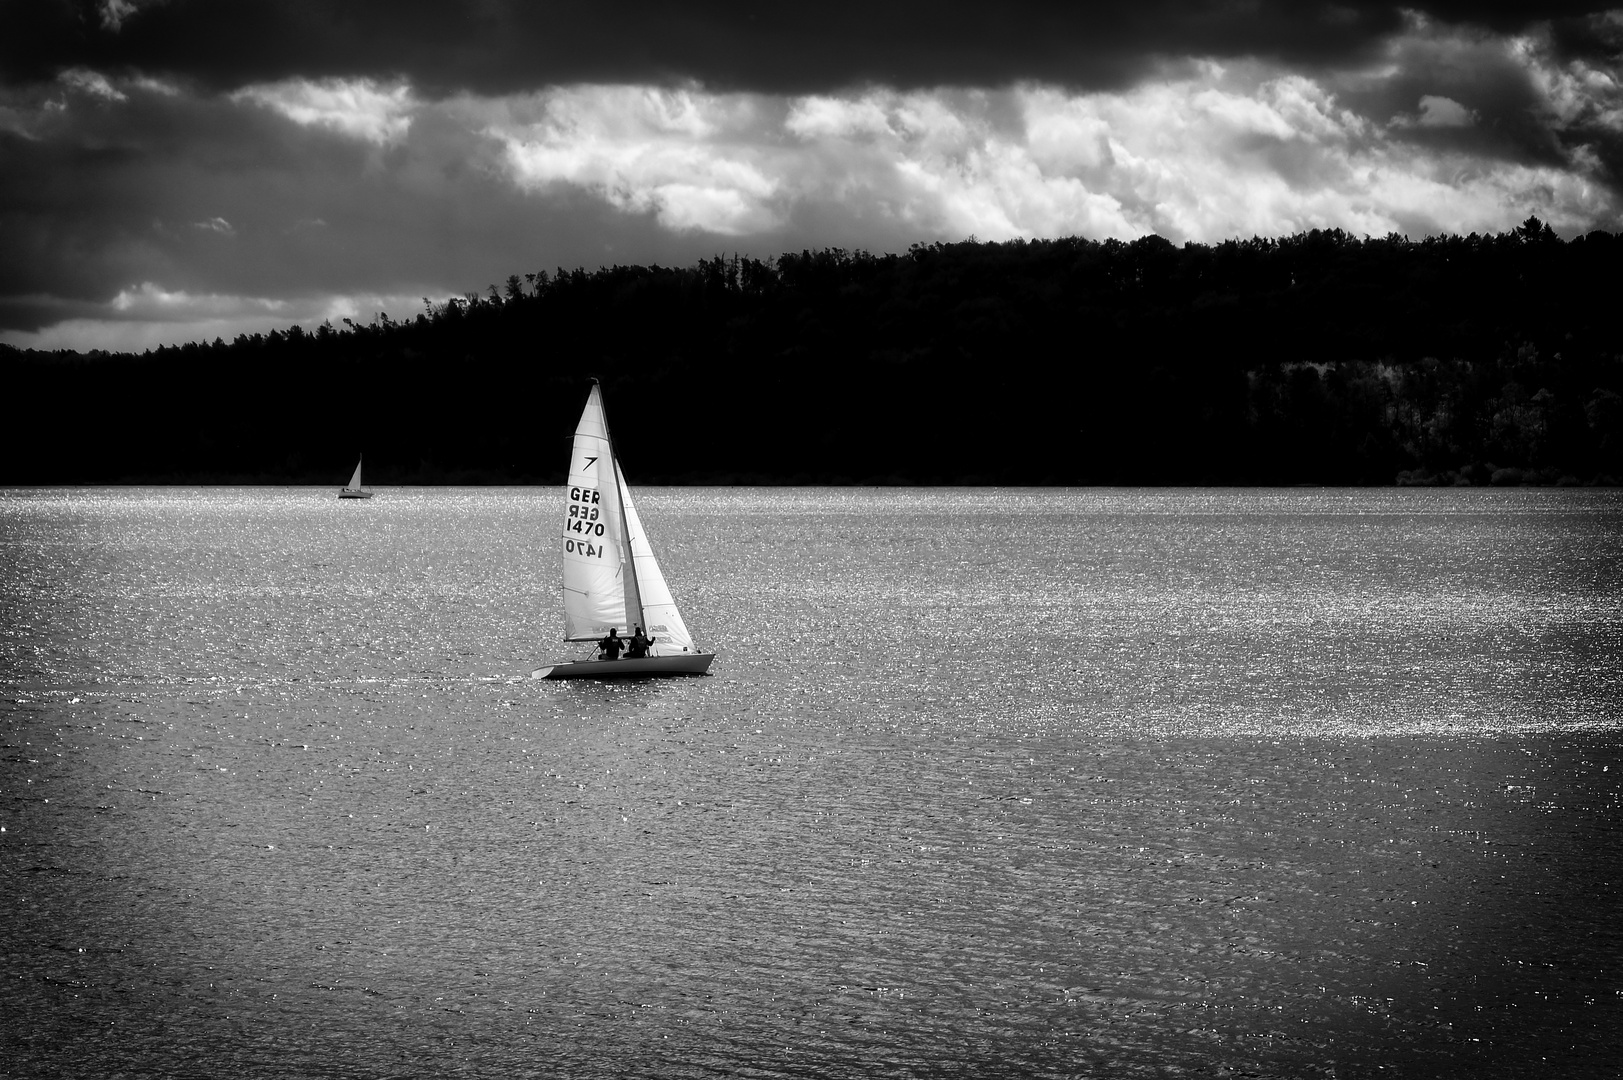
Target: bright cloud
{"x":359,"y":108}
{"x":1202,"y":158}
{"x":147,"y":316}
{"x":829,"y":117}
{"x":155,"y":86}
{"x":689,"y":158}
{"x":153,"y":302}
{"x":1443,"y":112}
{"x":91,"y":82}
{"x":114,"y":12}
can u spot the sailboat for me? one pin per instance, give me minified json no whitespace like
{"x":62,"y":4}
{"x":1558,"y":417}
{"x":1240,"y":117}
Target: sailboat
{"x":355,"y":490}
{"x":611,"y":579}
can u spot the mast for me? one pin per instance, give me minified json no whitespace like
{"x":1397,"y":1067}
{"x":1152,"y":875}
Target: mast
{"x":633,"y":591}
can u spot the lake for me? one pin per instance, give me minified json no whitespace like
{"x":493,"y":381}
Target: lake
{"x":1039,"y":783}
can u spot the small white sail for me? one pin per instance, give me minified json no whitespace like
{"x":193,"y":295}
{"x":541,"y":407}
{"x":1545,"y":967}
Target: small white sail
{"x":354,"y":490}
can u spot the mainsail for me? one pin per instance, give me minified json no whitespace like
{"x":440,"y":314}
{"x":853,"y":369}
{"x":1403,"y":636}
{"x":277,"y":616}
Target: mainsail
{"x":611,"y":578}
{"x":355,"y":481}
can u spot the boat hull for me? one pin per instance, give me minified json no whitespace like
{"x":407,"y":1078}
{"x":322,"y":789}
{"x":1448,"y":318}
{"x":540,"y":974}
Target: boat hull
{"x":351,"y":493}
{"x":646,"y":667}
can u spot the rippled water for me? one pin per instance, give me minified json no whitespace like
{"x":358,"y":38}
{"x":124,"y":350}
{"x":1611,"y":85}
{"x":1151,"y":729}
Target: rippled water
{"x":985,"y":783}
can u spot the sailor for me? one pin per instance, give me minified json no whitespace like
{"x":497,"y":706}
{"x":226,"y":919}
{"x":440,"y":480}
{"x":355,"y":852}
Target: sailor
{"x":611,"y":645}
{"x":639,"y":645}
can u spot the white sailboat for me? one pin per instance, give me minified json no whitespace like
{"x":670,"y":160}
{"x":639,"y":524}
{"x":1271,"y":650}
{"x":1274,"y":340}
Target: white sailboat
{"x":355,"y":489}
{"x":611,"y":579}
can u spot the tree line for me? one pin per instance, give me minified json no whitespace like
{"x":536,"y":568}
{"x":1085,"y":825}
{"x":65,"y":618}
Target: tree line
{"x":1315,"y":358}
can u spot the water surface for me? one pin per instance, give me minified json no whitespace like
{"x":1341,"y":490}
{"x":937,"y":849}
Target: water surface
{"x":1037,"y":783}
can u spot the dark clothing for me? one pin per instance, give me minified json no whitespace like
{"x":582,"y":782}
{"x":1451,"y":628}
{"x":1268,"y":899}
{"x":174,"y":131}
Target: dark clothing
{"x":611,"y":646}
{"x":639,"y":645}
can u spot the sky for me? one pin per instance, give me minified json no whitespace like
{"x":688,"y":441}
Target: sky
{"x":181,"y":170}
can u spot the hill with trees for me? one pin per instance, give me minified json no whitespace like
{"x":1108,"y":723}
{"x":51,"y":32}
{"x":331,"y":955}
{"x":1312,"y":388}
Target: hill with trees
{"x":1315,"y":358}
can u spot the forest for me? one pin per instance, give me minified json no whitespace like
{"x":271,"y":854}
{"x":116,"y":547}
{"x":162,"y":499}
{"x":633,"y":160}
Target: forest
{"x":1318,"y":358}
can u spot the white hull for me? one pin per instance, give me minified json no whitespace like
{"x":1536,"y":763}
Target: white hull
{"x":350,"y":493}
{"x":647,"y":667}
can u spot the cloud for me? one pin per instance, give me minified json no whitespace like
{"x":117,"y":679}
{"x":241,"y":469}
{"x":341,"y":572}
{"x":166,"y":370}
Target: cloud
{"x":432,"y":161}
{"x":1443,"y":112}
{"x":147,"y":316}
{"x":1201,"y":158}
{"x":1582,"y":99}
{"x":153,"y":303}
{"x":359,"y":108}
{"x":820,"y":116}
{"x":90,"y":82}
{"x":1435,"y":112}
{"x":690,"y":159}
{"x":502,"y":47}
{"x":1494,"y":96}
{"x":114,"y":12}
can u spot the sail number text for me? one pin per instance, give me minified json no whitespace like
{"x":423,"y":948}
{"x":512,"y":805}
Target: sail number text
{"x":584,"y":518}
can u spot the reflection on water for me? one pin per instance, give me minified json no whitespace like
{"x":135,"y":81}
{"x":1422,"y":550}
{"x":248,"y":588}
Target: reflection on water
{"x":1060,"y":783}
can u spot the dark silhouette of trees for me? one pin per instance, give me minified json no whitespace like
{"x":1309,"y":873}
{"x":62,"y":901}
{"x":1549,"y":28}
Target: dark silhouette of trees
{"x":1315,"y":358}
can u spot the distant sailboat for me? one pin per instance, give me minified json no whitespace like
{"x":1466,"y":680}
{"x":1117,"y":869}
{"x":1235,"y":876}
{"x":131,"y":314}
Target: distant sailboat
{"x":611,"y":580}
{"x":355,"y":489}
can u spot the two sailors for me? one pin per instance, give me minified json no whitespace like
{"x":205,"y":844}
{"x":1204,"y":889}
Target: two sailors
{"x":635,"y":648}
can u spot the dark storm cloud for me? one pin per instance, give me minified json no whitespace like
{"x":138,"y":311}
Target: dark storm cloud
{"x":1450,"y":48}
{"x":1471,"y":68}
{"x":502,"y":46}
{"x":507,"y":46}
{"x":210,"y":196}
{"x":1590,"y":37}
